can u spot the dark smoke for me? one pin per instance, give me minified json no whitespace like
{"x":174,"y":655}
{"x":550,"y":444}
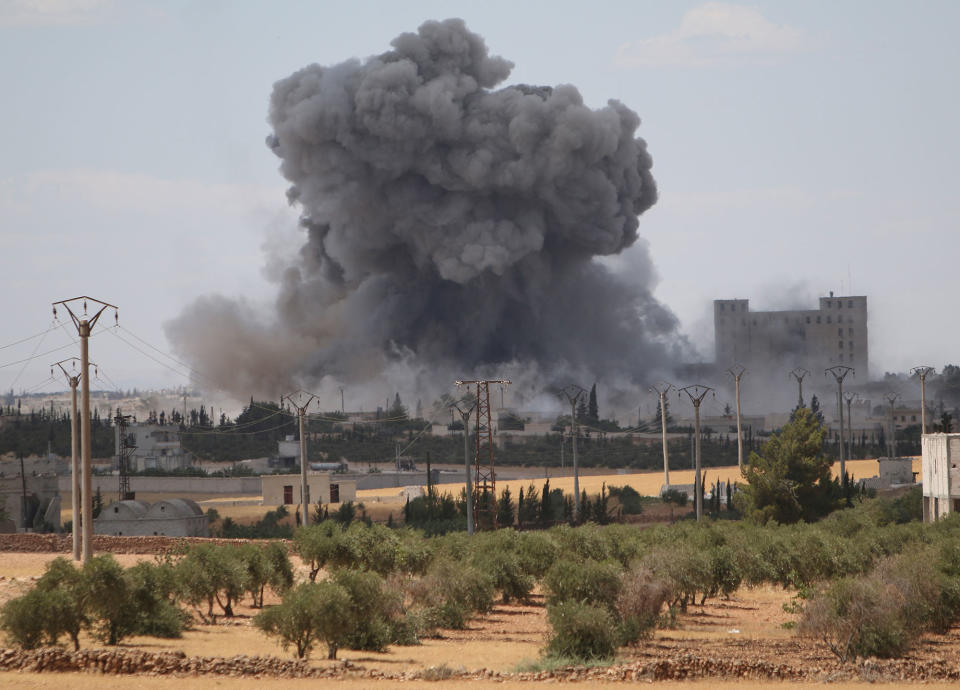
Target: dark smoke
{"x":451,"y":228}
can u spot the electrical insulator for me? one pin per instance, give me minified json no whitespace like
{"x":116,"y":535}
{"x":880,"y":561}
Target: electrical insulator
{"x":84,"y":306}
{"x":54,"y":312}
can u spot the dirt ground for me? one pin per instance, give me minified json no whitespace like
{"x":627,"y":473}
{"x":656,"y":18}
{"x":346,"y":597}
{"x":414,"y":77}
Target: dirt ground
{"x":747,"y":627}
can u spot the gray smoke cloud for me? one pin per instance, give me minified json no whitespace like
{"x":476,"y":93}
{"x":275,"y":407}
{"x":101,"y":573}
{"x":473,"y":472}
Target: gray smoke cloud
{"x":451,"y":228}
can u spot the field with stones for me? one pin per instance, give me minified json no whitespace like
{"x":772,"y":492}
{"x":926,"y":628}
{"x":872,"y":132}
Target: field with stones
{"x":745,"y":634}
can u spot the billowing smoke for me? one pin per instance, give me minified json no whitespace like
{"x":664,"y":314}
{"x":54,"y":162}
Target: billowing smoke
{"x":451,"y":228}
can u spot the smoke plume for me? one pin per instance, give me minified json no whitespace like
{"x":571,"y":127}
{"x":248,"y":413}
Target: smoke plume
{"x":451,"y":229}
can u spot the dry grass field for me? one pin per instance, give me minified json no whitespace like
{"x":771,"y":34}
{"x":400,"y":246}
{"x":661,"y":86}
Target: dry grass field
{"x":380,"y":503}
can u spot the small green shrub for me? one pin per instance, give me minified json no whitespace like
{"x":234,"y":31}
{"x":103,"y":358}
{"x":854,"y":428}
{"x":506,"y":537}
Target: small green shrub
{"x":450,"y":593}
{"x":581,"y":631}
{"x":26,"y":619}
{"x":589,"y":582}
{"x":372,"y":609}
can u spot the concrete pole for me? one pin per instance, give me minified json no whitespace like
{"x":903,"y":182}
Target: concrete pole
{"x":86,"y":444}
{"x":663,"y":438}
{"x":75,"y":468}
{"x":576,"y":467}
{"x":698,"y":489}
{"x":737,"y":373}
{"x":739,"y":430}
{"x":304,"y":487}
{"x":923,"y":405}
{"x":843,"y":464}
{"x":466,"y":466}
{"x":849,"y":399}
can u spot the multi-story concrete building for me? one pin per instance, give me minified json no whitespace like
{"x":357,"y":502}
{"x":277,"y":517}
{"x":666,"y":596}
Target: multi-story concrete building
{"x":155,"y":446}
{"x":835,"y":333}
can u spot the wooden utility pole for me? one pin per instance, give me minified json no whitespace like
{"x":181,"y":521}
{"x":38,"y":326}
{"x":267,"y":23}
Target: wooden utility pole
{"x":697,"y":393}
{"x":84,"y":325}
{"x":661,"y":389}
{"x":301,"y":408}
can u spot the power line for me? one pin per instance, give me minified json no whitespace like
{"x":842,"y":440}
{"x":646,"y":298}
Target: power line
{"x":29,"y":337}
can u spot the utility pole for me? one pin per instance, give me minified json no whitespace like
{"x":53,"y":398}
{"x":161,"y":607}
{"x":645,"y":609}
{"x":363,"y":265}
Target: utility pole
{"x":697,"y":393}
{"x":661,"y":389}
{"x":737,"y":372}
{"x":465,"y":412}
{"x":573,"y":393}
{"x":23,"y":496}
{"x":485,"y":487}
{"x":343,"y":408}
{"x":85,"y":324}
{"x":74,"y":381}
{"x":799,"y":373}
{"x":891,"y":398}
{"x":301,"y":408}
{"x":922,"y":372}
{"x":840,"y":373}
{"x":849,"y":397}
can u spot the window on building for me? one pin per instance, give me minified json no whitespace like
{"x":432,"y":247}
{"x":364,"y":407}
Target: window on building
{"x":850,"y":303}
{"x":913,"y":418}
{"x":288,"y":494}
{"x":841,"y":356}
{"x":754,"y":322}
{"x":722,"y":306}
{"x":840,"y":332}
{"x":828,"y":319}
{"x":839,"y":304}
{"x":849,"y":331}
{"x":808,"y":319}
{"x":850,"y":344}
{"x":334,"y":493}
{"x":818,"y":319}
{"x":828,"y":304}
{"x":840,"y":345}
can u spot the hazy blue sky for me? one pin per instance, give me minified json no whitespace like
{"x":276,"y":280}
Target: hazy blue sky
{"x":799,"y":147}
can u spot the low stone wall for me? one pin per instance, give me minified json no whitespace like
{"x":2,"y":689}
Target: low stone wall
{"x":123,"y":661}
{"x":102,"y":543}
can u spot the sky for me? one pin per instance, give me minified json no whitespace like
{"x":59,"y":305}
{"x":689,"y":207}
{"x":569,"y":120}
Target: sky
{"x":799,"y":147}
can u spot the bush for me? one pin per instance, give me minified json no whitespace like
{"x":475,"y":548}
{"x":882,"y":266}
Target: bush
{"x":537,"y":552}
{"x":315,"y":544}
{"x":581,"y":631}
{"x":64,"y":611}
{"x":373,"y":609}
{"x":641,"y":599}
{"x":108,"y":599}
{"x":208,"y":574}
{"x":857,"y":617}
{"x":588,"y":582}
{"x":152,"y":590}
{"x":449,"y":594}
{"x":631,"y":502}
{"x":27,"y":619}
{"x":309,"y":613}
